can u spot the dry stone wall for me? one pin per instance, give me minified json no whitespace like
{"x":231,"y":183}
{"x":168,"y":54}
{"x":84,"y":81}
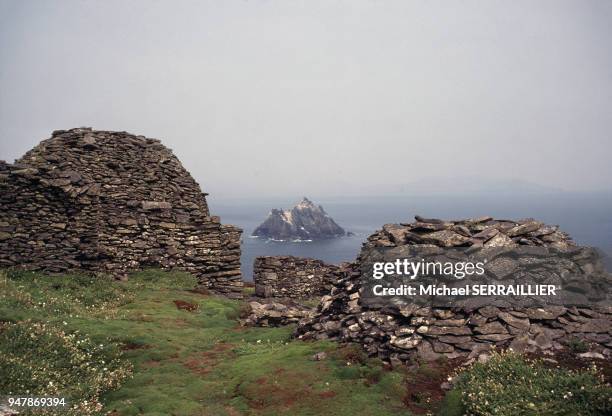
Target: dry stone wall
{"x":400,"y":333}
{"x":293,"y":277}
{"x":112,"y":202}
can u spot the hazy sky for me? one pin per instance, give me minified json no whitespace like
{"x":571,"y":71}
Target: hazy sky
{"x":274,"y":98}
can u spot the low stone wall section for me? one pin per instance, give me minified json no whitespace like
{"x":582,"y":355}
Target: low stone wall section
{"x":293,"y":277}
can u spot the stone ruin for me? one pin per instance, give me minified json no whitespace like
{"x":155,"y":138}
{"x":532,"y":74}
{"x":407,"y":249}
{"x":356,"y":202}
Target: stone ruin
{"x":112,"y":202}
{"x":400,"y":334}
{"x":293,"y":277}
{"x":282,"y":284}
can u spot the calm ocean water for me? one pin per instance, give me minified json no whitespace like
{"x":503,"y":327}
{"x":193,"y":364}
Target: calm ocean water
{"x":587,"y":217}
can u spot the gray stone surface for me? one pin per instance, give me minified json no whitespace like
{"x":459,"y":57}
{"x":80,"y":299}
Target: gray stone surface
{"x":402,"y":332}
{"x":293,"y":277}
{"x":267,"y":313}
{"x":112,"y":202}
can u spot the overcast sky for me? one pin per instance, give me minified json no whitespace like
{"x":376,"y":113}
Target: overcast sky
{"x":291,"y":98}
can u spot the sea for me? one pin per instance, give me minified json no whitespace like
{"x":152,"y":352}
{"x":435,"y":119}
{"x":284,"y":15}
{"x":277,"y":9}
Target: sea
{"x":586,"y":216}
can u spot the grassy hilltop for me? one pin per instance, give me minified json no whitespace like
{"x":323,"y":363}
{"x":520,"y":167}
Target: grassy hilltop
{"x":153,"y":346}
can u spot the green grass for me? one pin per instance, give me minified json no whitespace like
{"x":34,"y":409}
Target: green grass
{"x":195,"y":363}
{"x":510,"y":384}
{"x":126,"y":346}
{"x":38,"y":359}
{"x":577,"y":345}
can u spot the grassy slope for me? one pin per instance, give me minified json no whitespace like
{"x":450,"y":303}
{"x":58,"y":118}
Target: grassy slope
{"x":201,"y":363}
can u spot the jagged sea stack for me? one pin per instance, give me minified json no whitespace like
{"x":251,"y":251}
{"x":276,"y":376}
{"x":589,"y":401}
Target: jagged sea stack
{"x":112,"y":202}
{"x":305,"y":221}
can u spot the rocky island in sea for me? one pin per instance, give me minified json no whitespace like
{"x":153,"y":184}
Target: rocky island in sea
{"x":305,"y":221}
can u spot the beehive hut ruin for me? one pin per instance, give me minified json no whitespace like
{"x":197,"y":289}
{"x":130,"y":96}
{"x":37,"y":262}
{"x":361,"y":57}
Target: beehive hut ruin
{"x":399,"y":334}
{"x":112,"y":202}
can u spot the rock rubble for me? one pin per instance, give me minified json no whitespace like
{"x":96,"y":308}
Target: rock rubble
{"x":479,"y":232}
{"x":271,"y":313}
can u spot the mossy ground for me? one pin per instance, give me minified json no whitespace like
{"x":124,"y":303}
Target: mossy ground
{"x":200,"y":362}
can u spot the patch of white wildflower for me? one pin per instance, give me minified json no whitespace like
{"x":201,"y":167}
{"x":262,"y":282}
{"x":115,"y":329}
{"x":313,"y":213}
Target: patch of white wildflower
{"x":40,"y":359}
{"x":509,"y":384}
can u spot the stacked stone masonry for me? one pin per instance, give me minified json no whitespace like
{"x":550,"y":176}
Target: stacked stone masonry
{"x":293,"y":277}
{"x":398,"y":334}
{"x":111,"y":202}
